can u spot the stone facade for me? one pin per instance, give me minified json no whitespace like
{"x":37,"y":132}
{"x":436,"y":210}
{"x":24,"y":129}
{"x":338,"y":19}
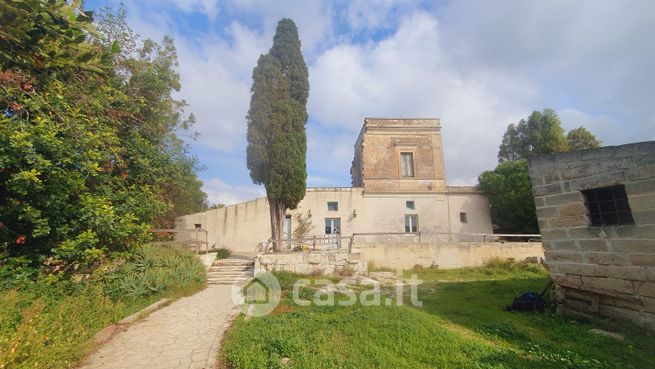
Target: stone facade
{"x":242,"y":226}
{"x":310,"y":263}
{"x":377,"y":163}
{"x":447,"y":255}
{"x":602,"y":266}
{"x":384,"y":199}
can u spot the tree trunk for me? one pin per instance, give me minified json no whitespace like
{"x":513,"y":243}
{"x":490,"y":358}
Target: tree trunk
{"x":278,"y":213}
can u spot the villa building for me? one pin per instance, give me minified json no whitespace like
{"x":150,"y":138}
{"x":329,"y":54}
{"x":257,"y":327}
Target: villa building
{"x":398,"y":190}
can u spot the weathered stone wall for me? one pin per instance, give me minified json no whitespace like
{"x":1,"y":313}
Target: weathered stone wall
{"x":241,"y":227}
{"x":376,"y":165}
{"x":607,"y":270}
{"x":447,"y":255}
{"x":310,"y":262}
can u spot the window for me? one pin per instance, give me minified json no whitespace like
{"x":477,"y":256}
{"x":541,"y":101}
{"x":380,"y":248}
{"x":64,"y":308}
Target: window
{"x":332,"y":225}
{"x":608,"y":206}
{"x":410,"y":205}
{"x":463,"y":218}
{"x":411,"y":223}
{"x":333,"y":206}
{"x":407,"y":164}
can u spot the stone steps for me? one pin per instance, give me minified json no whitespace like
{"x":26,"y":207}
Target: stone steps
{"x":230,"y":271}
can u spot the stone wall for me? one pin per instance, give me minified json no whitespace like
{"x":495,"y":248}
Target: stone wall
{"x":608,"y":270}
{"x":310,"y":262}
{"x":376,"y":164}
{"x":241,"y":227}
{"x":448,"y":255}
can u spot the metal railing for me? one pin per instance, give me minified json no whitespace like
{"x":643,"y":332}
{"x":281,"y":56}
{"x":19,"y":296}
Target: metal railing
{"x":336,"y":242}
{"x":314,"y":243}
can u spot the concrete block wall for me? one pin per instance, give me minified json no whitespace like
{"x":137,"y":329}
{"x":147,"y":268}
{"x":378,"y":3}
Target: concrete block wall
{"x":608,"y":270}
{"x":310,"y":263}
{"x":446,"y":255}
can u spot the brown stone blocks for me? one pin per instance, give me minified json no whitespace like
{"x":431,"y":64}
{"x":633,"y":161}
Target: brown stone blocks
{"x":608,"y":284}
{"x":646,"y":289}
{"x":593,"y":245}
{"x":633,"y":246}
{"x":564,"y":198}
{"x":572,"y":209}
{"x":632,"y":273}
{"x":640,"y":188}
{"x":606,"y":258}
{"x":564,"y":256}
{"x":643,"y":259}
{"x":572,"y":281}
{"x":563,"y":245}
{"x":566,"y":222}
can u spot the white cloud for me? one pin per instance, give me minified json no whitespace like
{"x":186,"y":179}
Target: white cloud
{"x":208,"y":7}
{"x":220,"y":192}
{"x":477,"y":66}
{"x":216,"y":81}
{"x":410,"y":74}
{"x":313,"y":18}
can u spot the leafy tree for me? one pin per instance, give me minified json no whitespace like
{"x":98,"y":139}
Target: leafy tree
{"x":277,"y":142}
{"x":580,"y":138}
{"x":89,"y":157}
{"x":510,"y":197}
{"x":508,"y":186}
{"x":542,"y":133}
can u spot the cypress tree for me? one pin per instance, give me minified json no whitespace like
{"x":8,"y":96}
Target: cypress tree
{"x":277,"y":142}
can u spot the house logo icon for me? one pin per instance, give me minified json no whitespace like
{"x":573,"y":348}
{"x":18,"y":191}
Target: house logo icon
{"x":259,"y":296}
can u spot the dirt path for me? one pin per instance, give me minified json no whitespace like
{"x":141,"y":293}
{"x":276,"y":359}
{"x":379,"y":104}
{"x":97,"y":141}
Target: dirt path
{"x":185,"y":334}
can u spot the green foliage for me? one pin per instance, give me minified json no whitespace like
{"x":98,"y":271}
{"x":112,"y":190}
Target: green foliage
{"x":50,"y":323}
{"x":48,"y":35}
{"x":510,"y":197}
{"x":223,"y":253}
{"x":155,"y":269}
{"x":88,"y":161}
{"x":542,"y":133}
{"x":303,"y":226}
{"x":277,"y":142}
{"x":460,"y":325}
{"x":580,"y":138}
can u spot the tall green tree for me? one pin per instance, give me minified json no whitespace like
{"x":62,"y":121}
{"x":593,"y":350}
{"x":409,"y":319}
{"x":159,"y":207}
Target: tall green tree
{"x":508,"y":186}
{"x":580,"y":138}
{"x":277,"y":142}
{"x":542,"y":133}
{"x":510,"y":197}
{"x":89,"y":157}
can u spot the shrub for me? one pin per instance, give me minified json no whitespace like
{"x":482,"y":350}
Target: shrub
{"x":155,"y":269}
{"x":500,"y":263}
{"x":50,"y":322}
{"x":223,"y":253}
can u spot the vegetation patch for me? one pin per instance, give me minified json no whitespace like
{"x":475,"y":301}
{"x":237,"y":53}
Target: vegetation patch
{"x":461,"y":324}
{"x":223,"y":253}
{"x":49,"y":323}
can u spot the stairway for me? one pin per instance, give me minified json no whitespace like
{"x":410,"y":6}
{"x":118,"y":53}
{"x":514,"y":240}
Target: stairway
{"x":230,"y":271}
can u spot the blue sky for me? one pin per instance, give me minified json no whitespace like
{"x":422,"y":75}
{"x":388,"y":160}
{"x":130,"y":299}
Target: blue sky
{"x":477,"y":65}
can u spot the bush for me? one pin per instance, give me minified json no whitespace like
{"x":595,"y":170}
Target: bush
{"x":155,"y":269}
{"x":223,"y":253}
{"x":50,"y":322}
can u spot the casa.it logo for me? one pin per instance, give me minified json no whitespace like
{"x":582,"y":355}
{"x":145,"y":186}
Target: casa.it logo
{"x":259,"y":296}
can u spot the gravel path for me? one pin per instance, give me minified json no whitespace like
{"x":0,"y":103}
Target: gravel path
{"x":185,"y":334}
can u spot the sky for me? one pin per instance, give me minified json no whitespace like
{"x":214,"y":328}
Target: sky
{"x":476,"y":65}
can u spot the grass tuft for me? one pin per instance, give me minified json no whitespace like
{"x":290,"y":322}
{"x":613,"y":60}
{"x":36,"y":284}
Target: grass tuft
{"x":223,"y":253}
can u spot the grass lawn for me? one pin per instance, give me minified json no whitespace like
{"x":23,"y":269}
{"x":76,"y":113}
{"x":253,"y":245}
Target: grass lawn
{"x":460,"y":325}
